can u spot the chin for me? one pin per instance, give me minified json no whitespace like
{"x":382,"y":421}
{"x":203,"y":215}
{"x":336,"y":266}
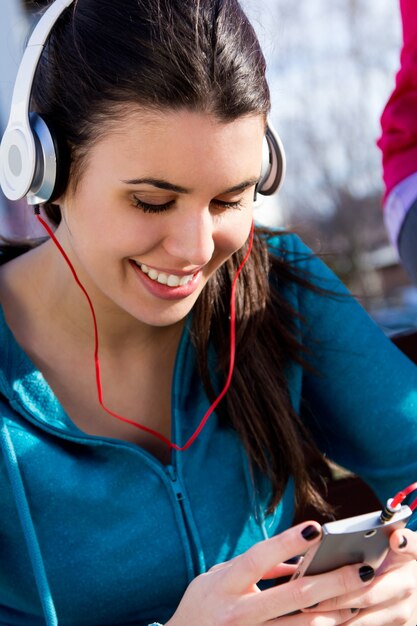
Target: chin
{"x":163,"y":319}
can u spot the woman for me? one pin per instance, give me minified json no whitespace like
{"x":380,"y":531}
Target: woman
{"x":129,"y":511}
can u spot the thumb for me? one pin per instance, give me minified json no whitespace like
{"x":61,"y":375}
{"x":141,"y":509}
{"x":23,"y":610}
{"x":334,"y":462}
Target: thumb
{"x":403,"y":548}
{"x":403,"y":542}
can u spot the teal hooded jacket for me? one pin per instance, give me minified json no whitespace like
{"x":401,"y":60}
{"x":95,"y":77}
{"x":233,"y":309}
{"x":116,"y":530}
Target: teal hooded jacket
{"x":96,"y":531}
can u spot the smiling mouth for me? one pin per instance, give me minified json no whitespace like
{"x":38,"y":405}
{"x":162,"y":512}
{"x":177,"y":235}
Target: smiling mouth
{"x":171,"y":280}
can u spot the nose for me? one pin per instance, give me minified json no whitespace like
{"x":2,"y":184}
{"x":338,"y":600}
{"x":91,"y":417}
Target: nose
{"x":191,"y":236}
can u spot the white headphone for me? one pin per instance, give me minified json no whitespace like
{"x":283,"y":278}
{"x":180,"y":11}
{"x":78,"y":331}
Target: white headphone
{"x":273,"y":163}
{"x":29,"y":156}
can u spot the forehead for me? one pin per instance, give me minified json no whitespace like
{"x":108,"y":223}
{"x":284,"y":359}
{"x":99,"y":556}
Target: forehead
{"x":126,"y":118}
{"x":161,"y":142}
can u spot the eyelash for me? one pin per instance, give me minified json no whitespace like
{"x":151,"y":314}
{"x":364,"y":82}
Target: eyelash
{"x":160,"y":208}
{"x":152,"y":208}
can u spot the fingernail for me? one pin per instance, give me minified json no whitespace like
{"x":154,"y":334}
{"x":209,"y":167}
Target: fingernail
{"x":294,"y":561}
{"x":403,"y":542}
{"x":354,"y":610}
{"x":366,"y":573}
{"x":310,"y":532}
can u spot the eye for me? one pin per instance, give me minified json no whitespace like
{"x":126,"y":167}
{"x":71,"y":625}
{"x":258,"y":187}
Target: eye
{"x":221,"y":204}
{"x":152,"y":208}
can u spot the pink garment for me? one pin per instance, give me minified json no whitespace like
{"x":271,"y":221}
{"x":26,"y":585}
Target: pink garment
{"x":398,"y":141}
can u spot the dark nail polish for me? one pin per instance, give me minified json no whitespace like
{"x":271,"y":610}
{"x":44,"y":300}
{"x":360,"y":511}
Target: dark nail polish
{"x":294,"y":561}
{"x":403,"y":542}
{"x":366,"y":573}
{"x":310,"y":532}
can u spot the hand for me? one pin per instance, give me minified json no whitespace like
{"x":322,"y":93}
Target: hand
{"x":228,"y":595}
{"x":391,"y":599}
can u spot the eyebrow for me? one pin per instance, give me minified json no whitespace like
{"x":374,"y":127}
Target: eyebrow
{"x":164,"y":184}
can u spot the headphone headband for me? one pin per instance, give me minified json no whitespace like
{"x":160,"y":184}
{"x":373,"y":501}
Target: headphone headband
{"x":30,"y":59}
{"x":19,"y":149}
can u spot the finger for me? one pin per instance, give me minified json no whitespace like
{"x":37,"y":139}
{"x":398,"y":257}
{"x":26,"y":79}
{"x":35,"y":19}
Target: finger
{"x":280,"y":570}
{"x":386,"y":615}
{"x":390,"y":587}
{"x":248,"y":568}
{"x":286,"y":569}
{"x":305,"y":592}
{"x":326,"y":619}
{"x":283,"y":569}
{"x":219,"y":566}
{"x":403,"y":544}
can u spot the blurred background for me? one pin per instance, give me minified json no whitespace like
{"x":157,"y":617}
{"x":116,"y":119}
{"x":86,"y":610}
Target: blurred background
{"x":331,"y":67}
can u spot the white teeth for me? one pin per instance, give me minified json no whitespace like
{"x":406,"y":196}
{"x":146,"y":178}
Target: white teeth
{"x":173,"y":281}
{"x":153,"y":274}
{"x":165,"y":279}
{"x":162,"y":278}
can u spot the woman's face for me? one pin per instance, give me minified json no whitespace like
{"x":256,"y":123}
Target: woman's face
{"x":164,"y":199}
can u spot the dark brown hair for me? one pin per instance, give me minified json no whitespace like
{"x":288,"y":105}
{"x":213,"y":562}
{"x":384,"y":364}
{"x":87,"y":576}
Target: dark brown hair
{"x":258,"y":403}
{"x":198,"y":55}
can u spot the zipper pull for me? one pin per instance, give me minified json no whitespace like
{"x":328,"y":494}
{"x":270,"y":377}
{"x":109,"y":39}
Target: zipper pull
{"x":172,"y":473}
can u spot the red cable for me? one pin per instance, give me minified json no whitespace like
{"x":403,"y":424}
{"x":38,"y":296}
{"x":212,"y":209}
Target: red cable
{"x":401,"y":495}
{"x":97,"y":360}
{"x":413,"y":505}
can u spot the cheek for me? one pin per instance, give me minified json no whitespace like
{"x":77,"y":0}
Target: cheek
{"x":234,"y":236}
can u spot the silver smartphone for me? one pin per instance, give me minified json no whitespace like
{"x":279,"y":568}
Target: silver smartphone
{"x":360,"y":539}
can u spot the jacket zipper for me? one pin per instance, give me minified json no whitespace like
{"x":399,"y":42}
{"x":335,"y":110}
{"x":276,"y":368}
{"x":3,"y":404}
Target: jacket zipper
{"x":172,"y":473}
{"x":169,"y":471}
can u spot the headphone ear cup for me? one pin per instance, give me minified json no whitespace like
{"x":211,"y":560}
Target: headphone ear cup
{"x":17,"y":160}
{"x":61,"y":152}
{"x":273,"y":163}
{"x":51,"y":168}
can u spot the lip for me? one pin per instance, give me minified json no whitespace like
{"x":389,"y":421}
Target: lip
{"x":163,"y":291}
